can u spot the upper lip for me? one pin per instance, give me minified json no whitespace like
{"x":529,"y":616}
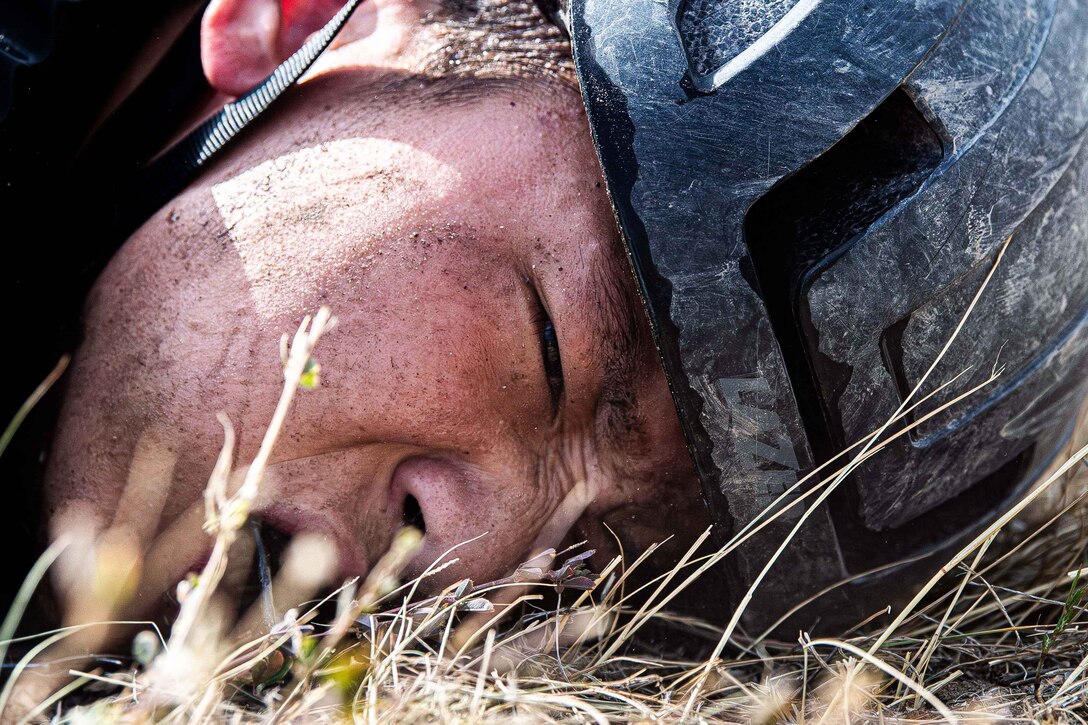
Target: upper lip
{"x":355,"y":546}
{"x":352,"y":546}
{"x":290,"y":521}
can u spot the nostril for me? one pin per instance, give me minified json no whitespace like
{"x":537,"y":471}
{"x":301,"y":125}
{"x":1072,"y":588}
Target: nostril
{"x":413,"y":514}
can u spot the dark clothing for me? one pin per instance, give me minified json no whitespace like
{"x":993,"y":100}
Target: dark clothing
{"x":60,"y":64}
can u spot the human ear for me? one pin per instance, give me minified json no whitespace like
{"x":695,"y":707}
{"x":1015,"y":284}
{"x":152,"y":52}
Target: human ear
{"x":242,"y":41}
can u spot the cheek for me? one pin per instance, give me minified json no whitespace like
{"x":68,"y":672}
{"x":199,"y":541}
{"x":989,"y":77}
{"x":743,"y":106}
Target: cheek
{"x":439,"y":350}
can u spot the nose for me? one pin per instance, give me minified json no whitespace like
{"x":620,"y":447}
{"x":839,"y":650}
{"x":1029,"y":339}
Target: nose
{"x":442,"y":496}
{"x":446,"y":500}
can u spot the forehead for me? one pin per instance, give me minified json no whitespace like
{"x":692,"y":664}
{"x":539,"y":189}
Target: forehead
{"x":346,"y":170}
{"x":490,"y":132}
{"x":420,"y":139}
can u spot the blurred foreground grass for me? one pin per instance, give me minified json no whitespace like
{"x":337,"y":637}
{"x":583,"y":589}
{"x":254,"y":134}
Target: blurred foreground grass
{"x":1000,"y":635}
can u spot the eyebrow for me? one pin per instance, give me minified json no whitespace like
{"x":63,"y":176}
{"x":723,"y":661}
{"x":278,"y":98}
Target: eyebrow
{"x":621,"y":345}
{"x":421,"y":92}
{"x":499,"y":38}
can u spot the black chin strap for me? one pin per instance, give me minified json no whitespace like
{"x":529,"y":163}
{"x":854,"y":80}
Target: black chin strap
{"x":556,"y":11}
{"x":166,"y":176}
{"x":163,"y":178}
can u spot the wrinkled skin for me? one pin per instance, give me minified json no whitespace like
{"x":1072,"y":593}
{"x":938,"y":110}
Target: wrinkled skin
{"x":431,"y":224}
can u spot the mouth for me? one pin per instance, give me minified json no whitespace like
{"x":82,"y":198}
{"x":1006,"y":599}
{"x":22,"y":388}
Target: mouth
{"x":269,"y":546}
{"x":252,"y":565}
{"x":257,"y":558}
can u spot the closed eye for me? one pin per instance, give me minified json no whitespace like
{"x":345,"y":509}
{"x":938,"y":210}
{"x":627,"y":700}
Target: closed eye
{"x":549,"y":352}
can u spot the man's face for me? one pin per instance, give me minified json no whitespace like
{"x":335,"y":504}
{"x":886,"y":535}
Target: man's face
{"x":450,"y":229}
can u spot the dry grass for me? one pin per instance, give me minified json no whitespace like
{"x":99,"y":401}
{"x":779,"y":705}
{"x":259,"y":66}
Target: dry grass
{"x":998,"y":634}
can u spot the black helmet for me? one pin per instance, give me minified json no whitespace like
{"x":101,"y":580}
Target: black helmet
{"x":812,"y":193}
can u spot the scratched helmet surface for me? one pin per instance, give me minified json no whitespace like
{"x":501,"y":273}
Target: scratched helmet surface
{"x":812,"y":193}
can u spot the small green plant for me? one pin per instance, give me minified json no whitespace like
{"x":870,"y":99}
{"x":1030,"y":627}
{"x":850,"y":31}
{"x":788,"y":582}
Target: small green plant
{"x":1070,"y":609}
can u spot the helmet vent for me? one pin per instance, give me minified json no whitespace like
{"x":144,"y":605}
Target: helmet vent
{"x":713,"y":32}
{"x":808,"y":219}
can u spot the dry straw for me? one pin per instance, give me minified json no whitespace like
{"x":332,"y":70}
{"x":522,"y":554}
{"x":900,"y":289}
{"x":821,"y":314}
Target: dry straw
{"x":997,"y":634}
